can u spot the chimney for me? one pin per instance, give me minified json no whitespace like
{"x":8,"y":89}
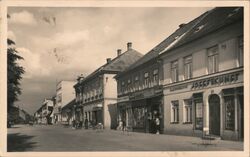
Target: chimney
{"x":129,"y":45}
{"x":119,"y":52}
{"x":108,"y":60}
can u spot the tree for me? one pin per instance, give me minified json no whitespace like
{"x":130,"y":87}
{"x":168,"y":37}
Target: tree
{"x":14,"y":73}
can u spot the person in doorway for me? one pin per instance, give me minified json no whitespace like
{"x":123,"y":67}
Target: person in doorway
{"x":157,"y":123}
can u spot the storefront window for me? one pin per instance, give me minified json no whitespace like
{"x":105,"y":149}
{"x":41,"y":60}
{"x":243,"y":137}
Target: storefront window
{"x":175,"y":112}
{"x":139,"y":117}
{"x":198,"y":114}
{"x":187,"y":111}
{"x":213,"y":58}
{"x":229,"y":107}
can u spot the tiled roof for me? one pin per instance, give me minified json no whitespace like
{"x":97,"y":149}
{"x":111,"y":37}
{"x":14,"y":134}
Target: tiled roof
{"x":154,"y":53}
{"x":117,"y":64}
{"x":200,"y":26}
{"x":215,"y":19}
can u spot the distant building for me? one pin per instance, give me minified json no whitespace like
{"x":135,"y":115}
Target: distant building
{"x":64,"y":94}
{"x":43,"y":114}
{"x":68,"y":111}
{"x":96,"y":95}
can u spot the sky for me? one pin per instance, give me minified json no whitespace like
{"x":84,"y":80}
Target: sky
{"x":61,"y":43}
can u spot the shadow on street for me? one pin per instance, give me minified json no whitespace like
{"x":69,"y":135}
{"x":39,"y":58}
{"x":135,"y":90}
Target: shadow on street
{"x":17,"y":142}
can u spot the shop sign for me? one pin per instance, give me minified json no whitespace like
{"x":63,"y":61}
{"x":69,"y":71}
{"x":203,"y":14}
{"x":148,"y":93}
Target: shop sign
{"x":144,"y":94}
{"x":123,"y":99}
{"x":178,"y":87}
{"x":217,"y":80}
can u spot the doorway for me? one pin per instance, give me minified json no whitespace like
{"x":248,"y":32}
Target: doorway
{"x":214,"y":114}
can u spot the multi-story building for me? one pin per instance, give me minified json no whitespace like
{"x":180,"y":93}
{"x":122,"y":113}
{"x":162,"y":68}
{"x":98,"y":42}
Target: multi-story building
{"x":192,"y":81}
{"x":140,"y":92}
{"x":42,"y":115}
{"x":69,"y":111}
{"x":203,"y":77}
{"x":97,"y":93}
{"x":64,"y":94}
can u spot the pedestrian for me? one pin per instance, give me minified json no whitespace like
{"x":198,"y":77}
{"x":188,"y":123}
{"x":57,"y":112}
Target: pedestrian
{"x":86,"y":123}
{"x":157,"y":123}
{"x":123,"y":125}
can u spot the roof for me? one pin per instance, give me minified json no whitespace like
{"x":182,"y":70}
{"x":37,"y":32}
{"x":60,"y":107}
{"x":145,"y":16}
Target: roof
{"x":154,"y":53}
{"x":200,"y":26}
{"x":214,"y":20}
{"x":117,"y":64}
{"x":69,"y":105}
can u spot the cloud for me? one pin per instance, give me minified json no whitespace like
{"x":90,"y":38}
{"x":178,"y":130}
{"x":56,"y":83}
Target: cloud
{"x":23,"y":17}
{"x":31,"y":63}
{"x":11,"y":36}
{"x":70,"y":37}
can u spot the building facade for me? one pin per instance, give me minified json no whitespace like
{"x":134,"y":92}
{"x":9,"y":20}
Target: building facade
{"x":140,"y":92}
{"x":96,"y":95}
{"x":43,"y":114}
{"x":64,"y":94}
{"x":203,"y":78}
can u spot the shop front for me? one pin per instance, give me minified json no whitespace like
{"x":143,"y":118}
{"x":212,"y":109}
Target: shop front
{"x":139,"y":110}
{"x":213,"y":105}
{"x":93,"y":114}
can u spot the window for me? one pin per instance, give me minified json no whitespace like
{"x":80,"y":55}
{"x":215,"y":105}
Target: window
{"x":198,"y":114}
{"x":155,"y":77}
{"x":174,"y":71}
{"x":136,"y":85}
{"x":229,"y":108}
{"x":146,"y":79}
{"x":188,"y":67}
{"x":129,"y":85}
{"x":187,"y":118}
{"x":213,"y":58}
{"x":175,"y":112}
{"x":240,"y":52}
{"x":139,"y":117}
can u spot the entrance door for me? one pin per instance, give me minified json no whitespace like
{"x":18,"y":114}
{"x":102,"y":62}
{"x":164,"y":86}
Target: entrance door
{"x":214,"y":114}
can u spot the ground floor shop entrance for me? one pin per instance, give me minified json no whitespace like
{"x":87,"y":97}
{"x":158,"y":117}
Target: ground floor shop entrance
{"x":214,"y":114}
{"x":144,"y":114}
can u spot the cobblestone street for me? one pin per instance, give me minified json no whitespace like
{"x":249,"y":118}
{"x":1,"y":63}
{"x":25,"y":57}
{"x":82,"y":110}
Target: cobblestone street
{"x":60,"y":138}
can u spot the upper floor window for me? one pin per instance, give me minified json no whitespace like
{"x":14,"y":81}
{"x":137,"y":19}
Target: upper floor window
{"x":174,"y":71}
{"x":136,"y":84}
{"x":240,"y":52}
{"x":213,"y":59}
{"x":146,"y":79}
{"x":188,"y":67}
{"x":129,"y":85}
{"x":156,"y":76}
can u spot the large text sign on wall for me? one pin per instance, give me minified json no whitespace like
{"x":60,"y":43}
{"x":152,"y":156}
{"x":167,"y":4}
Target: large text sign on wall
{"x":216,"y":80}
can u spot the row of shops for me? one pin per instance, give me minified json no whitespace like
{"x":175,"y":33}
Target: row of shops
{"x":192,"y":83}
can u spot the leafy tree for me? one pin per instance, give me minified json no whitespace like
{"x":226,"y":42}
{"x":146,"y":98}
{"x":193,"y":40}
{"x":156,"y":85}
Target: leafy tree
{"x":14,"y":73}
